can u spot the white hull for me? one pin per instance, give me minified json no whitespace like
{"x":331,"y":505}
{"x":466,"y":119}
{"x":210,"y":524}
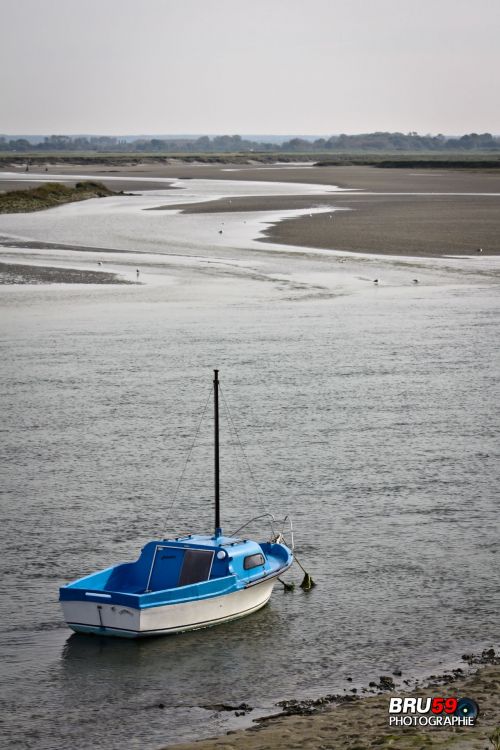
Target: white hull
{"x":113,"y":619}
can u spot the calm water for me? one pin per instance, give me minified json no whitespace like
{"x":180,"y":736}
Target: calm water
{"x":370,"y":415}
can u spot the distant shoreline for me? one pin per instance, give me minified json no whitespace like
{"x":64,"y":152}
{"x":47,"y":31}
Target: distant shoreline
{"x":393,"y":160}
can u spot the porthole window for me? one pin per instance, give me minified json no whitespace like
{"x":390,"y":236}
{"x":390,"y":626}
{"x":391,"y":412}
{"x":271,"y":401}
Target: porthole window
{"x":253,"y":561}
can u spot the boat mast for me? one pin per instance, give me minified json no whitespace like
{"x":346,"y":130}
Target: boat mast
{"x":218,"y":530}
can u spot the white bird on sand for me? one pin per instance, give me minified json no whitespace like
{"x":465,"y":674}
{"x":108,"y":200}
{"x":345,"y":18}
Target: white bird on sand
{"x":480,"y":250}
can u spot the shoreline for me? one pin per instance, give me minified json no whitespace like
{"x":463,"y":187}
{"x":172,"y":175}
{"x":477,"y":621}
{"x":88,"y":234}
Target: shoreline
{"x":391,"y":159}
{"x":358,"y":722}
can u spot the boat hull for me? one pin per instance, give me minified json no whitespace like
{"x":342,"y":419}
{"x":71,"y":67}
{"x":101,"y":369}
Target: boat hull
{"x":108,"y":619}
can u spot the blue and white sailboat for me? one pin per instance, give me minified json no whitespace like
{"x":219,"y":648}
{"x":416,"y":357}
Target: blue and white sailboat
{"x":179,"y":584}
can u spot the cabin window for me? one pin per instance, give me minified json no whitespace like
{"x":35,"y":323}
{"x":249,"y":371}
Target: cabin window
{"x":253,"y":561}
{"x":195,"y":566}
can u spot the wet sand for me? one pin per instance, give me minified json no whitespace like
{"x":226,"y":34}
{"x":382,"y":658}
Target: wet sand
{"x":362,"y":724}
{"x":20,"y":273}
{"x":400,"y":225}
{"x":8,"y":242}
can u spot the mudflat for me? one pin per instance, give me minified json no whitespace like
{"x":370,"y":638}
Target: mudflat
{"x":427,"y":212}
{"x":397,"y":224}
{"x":390,"y":211}
{"x":430,"y":225}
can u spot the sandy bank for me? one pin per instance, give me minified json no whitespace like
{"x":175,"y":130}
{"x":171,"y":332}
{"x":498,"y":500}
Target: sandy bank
{"x":363,"y":724}
{"x":400,"y":225}
{"x":422,"y":225}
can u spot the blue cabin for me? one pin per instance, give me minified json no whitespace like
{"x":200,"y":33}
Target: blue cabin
{"x":183,"y":569}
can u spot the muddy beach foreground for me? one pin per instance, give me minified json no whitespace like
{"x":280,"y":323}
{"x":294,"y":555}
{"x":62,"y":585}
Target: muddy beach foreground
{"x":360,"y":724}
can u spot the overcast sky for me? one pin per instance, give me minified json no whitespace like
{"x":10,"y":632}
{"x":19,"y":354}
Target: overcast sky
{"x":249,"y":66}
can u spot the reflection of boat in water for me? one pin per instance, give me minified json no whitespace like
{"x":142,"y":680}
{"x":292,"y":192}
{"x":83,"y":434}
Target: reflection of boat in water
{"x":179,"y":584}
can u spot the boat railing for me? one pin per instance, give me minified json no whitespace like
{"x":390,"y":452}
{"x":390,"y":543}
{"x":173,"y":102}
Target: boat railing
{"x":281,"y":535}
{"x":255,"y":518}
{"x":276,"y":536}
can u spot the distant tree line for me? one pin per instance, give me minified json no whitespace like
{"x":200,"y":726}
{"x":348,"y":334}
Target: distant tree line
{"x":369,"y":142}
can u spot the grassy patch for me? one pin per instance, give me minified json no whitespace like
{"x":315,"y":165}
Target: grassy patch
{"x":49,"y":195}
